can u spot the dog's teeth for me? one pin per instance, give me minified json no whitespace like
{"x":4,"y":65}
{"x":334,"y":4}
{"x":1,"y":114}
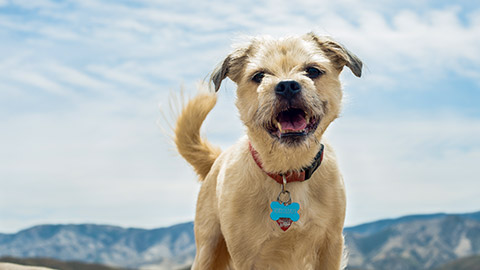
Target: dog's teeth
{"x":307,"y":118}
{"x":279,"y":127}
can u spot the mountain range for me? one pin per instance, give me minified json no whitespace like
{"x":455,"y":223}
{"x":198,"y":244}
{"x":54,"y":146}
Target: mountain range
{"x":413,"y":242}
{"x":406,"y":243}
{"x":163,"y":248}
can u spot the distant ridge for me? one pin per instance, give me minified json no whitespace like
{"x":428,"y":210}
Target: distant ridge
{"x":378,"y":225}
{"x":469,"y":263}
{"x":104,"y":244}
{"x":413,"y":242}
{"x":407,"y":243}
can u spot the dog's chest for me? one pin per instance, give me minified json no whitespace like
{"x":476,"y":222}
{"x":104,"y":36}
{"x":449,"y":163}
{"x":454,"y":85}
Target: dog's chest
{"x":244,"y":198}
{"x":295,"y":249}
{"x":251,"y":199}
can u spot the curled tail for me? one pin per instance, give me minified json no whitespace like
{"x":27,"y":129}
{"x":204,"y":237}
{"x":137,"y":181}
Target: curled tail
{"x":197,"y":151}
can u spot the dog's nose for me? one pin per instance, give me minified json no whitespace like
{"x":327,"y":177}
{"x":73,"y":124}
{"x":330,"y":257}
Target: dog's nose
{"x":287,"y":89}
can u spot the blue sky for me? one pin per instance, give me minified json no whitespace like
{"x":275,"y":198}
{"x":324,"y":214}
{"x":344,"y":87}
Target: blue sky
{"x":83,"y":84}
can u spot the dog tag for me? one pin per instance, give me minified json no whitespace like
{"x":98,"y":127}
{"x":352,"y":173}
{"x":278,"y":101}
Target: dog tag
{"x":284,"y":215}
{"x":279,"y":210}
{"x":284,"y":212}
{"x":284,"y":223}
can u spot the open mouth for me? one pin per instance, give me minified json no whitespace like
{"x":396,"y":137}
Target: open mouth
{"x":292,"y":122}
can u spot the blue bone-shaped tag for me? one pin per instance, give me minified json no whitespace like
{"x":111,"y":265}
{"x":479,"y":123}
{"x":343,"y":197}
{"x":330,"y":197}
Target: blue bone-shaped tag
{"x":279,"y":210}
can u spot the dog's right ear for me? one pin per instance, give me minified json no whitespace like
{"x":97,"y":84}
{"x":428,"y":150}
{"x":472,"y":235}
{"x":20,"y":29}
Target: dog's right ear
{"x":232,"y":67}
{"x":220,"y":73}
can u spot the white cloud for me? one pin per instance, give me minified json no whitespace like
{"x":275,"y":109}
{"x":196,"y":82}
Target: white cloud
{"x":57,"y":33}
{"x":33,"y":4}
{"x":404,"y":166}
{"x":40,"y":82}
{"x":91,"y":165}
{"x":122,"y":77}
{"x":76,"y":78}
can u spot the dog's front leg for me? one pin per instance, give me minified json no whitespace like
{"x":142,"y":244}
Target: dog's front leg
{"x":211,"y":253}
{"x":331,"y":254}
{"x":243,"y":256}
{"x":245,"y":241}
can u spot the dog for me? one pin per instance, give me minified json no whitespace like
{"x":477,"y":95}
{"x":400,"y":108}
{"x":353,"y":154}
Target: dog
{"x":276,"y":198}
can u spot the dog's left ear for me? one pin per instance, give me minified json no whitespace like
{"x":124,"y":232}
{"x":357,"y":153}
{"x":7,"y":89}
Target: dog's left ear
{"x":338,"y":54}
{"x":232,"y":67}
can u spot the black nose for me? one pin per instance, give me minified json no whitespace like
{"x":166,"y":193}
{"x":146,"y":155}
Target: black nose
{"x":287,"y":89}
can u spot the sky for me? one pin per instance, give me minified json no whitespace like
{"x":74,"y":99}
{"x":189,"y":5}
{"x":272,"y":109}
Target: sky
{"x":86,"y":88}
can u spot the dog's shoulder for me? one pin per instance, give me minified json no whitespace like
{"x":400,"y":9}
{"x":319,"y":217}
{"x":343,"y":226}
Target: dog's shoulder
{"x":235,"y":160}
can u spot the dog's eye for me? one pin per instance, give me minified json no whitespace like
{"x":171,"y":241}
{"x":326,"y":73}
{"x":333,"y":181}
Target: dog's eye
{"x":313,"y":73}
{"x":258,"y":77}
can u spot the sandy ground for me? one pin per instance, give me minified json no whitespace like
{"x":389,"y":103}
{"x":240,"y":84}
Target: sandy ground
{"x":11,"y":266}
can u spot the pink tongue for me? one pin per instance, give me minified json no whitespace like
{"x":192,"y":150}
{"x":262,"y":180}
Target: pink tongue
{"x":295,"y":122}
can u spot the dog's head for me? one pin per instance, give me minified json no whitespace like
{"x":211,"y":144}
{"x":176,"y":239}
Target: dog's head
{"x":288,"y":89}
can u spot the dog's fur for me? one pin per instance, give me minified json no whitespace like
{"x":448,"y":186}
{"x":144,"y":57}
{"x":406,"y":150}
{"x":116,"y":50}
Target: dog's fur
{"x":233,"y":229}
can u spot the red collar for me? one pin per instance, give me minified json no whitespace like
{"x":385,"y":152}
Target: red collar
{"x":301,"y":176}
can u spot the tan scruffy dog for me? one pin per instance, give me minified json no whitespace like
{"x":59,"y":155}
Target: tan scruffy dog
{"x":275,"y":199}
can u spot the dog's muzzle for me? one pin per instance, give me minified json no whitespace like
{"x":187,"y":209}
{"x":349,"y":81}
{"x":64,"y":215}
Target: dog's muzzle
{"x":292,"y":121}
